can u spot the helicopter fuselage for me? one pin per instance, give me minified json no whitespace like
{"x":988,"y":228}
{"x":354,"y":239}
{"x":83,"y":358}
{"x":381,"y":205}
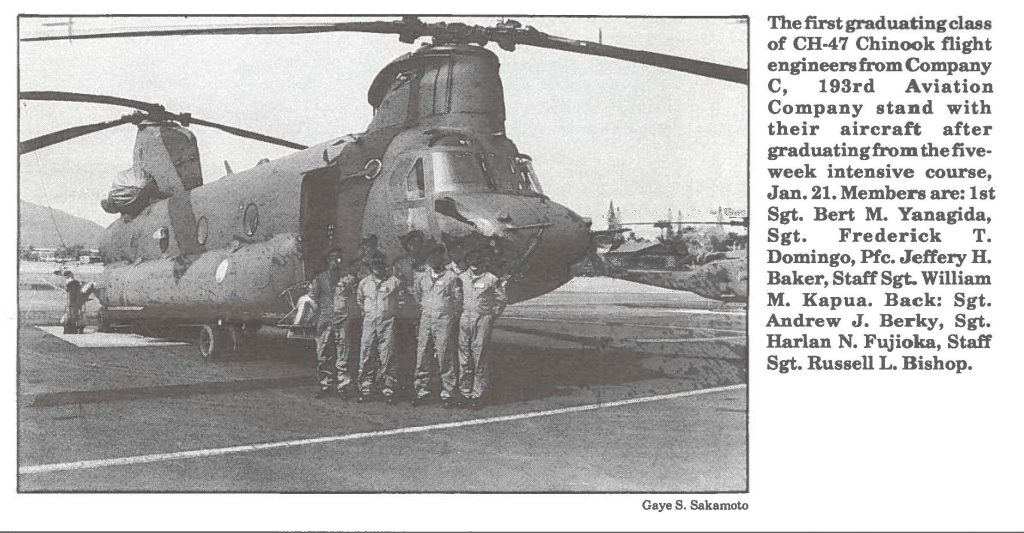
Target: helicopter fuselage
{"x":434,"y":159}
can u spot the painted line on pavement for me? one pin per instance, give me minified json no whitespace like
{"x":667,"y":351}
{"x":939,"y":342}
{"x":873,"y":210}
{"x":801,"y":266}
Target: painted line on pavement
{"x":245,"y":448}
{"x":702,"y":339}
{"x":598,"y":323}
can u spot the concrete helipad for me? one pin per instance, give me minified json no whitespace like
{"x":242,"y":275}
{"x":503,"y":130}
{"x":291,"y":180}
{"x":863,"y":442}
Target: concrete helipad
{"x":594,"y":392}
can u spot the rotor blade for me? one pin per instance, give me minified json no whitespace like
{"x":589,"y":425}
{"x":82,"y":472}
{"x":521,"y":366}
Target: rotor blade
{"x":61,"y":96}
{"x":654,"y":59}
{"x":410,"y":28}
{"x":43,"y":141}
{"x":246,"y":133}
{"x":157,"y":112}
{"x":394,"y":27}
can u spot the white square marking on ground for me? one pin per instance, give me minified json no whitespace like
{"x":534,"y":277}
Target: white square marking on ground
{"x":93,"y":339}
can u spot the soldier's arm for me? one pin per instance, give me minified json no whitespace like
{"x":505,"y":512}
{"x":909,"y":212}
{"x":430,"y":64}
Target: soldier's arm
{"x":360,"y":296}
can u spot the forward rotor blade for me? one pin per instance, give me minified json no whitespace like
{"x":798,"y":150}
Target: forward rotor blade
{"x":394,"y":27}
{"x":43,"y":141}
{"x":246,"y":133}
{"x":654,"y":59}
{"x":507,"y":35}
{"x":61,"y":96}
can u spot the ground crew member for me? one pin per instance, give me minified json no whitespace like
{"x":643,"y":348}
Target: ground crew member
{"x":77,"y":295}
{"x":483,"y":300}
{"x":333,"y":292}
{"x":439,"y":292}
{"x":457,"y":264}
{"x":407,"y":268}
{"x":378,"y":296}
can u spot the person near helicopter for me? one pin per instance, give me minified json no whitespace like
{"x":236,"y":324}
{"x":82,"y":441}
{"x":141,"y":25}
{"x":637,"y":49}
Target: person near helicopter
{"x":378,"y":297}
{"x":439,"y":293}
{"x":77,"y":295}
{"x":333,"y":293}
{"x":483,"y":300}
{"x":407,"y":268}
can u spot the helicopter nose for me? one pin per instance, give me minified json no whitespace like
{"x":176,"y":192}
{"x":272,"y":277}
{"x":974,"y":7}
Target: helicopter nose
{"x":552,"y":235}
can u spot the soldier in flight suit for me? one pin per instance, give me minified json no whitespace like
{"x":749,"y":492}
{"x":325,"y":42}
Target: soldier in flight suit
{"x":483,"y":300}
{"x":439,"y":292}
{"x":333,"y":291}
{"x":378,"y":296}
{"x":407,"y":268}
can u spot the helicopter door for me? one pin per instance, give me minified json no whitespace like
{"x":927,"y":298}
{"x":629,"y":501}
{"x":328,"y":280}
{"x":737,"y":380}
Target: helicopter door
{"x":317,"y":216}
{"x":412,"y":195}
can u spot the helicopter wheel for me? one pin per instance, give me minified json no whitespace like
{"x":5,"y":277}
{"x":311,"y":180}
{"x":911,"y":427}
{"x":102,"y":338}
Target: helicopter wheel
{"x":214,"y":341}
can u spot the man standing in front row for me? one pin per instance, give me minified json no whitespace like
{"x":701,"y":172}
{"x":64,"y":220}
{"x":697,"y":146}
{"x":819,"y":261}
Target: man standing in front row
{"x":439,"y":293}
{"x":334,"y":293}
{"x":483,"y":296}
{"x":378,"y":298}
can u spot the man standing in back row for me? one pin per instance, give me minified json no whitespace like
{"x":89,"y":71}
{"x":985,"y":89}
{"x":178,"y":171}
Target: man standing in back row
{"x":484,"y":299}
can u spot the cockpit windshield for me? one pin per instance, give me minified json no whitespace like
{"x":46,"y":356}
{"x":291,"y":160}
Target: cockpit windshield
{"x":523,"y":168}
{"x":474,"y":172}
{"x":459,"y":171}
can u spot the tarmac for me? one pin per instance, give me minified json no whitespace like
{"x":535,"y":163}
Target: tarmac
{"x":601,"y":386}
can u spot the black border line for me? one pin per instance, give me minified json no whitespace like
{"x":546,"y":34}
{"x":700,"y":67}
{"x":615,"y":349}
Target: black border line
{"x":20,"y":16}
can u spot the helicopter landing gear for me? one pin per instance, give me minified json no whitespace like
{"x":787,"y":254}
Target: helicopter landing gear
{"x":214,"y":342}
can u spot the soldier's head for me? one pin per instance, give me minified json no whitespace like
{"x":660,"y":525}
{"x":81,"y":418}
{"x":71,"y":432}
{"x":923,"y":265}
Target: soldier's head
{"x":332,"y":260}
{"x":379,"y":267}
{"x":369,"y":243}
{"x":413,"y":241}
{"x":456,"y":254}
{"x":435,"y":259}
{"x":475,"y":260}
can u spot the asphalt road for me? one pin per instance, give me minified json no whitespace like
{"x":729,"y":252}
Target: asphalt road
{"x":594,"y":392}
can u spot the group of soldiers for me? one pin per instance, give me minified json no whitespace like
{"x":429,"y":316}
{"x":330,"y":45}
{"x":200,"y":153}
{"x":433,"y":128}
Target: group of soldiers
{"x":437,"y":301}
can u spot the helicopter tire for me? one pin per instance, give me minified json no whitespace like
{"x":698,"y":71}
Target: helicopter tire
{"x":213,"y":342}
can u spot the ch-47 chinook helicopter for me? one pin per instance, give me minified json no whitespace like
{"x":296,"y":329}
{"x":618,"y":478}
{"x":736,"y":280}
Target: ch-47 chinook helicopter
{"x":434,"y":159}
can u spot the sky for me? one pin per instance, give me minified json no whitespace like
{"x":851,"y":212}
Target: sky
{"x":598,"y":129}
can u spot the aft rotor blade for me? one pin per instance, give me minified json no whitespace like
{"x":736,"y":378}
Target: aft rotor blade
{"x":246,"y":133}
{"x":61,"y":96}
{"x":394,"y":27}
{"x":654,"y":59}
{"x":43,"y":141}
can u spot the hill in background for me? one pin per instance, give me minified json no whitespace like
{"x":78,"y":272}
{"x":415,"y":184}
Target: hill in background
{"x":36,"y":228}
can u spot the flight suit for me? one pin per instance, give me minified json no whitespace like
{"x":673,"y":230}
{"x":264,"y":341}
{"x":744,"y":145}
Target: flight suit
{"x":378,"y":300}
{"x":483,"y":300}
{"x":407,"y":269}
{"x":440,"y":296}
{"x":335,"y":317}
{"x":453,"y":346}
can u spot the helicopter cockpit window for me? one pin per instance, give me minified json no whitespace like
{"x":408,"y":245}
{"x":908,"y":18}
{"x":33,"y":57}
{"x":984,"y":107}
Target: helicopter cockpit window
{"x":415,"y":183}
{"x":250,"y":220}
{"x":526,"y":175}
{"x":460,"y":171}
